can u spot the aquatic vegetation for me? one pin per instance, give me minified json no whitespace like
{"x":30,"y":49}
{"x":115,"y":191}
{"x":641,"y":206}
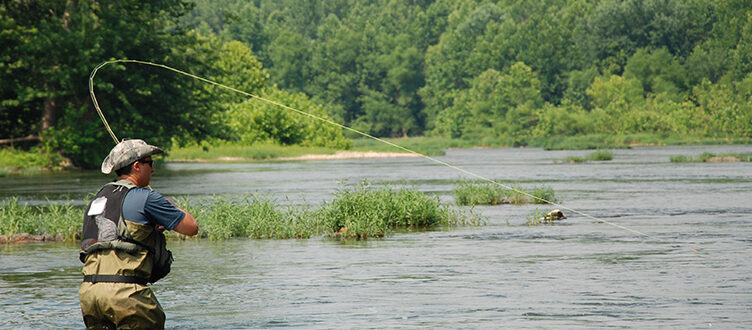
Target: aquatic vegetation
{"x":543,"y":195}
{"x":600,"y":155}
{"x":472,"y":193}
{"x":475,"y":193}
{"x":622,"y":141}
{"x":706,"y":157}
{"x":360,"y":212}
{"x":582,"y":142}
{"x":253,"y":216}
{"x":59,"y":219}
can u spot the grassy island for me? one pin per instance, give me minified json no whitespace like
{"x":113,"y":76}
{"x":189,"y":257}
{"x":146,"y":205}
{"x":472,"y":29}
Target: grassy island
{"x":354,"y":213}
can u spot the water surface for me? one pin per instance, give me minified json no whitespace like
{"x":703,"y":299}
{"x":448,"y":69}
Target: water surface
{"x":692,"y":271}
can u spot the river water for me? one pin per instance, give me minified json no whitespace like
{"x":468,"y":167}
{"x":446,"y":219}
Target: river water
{"x":692,"y":271}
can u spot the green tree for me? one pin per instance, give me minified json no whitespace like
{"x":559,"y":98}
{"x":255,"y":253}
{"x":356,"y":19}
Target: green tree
{"x":727,"y":106}
{"x":57,"y":43}
{"x":290,"y":59}
{"x":658,"y":72}
{"x":613,"y":99}
{"x":255,"y":120}
{"x":447,"y":65}
{"x":617,"y":29}
{"x":334,"y":67}
{"x":496,"y":105}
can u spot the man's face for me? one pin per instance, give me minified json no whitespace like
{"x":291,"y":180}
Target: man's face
{"x":144,"y":171}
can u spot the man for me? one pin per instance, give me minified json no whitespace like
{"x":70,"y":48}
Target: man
{"x":123,"y":247}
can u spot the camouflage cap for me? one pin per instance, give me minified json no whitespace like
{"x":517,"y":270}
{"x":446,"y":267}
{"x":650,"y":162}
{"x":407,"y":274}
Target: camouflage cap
{"x":127,"y":152}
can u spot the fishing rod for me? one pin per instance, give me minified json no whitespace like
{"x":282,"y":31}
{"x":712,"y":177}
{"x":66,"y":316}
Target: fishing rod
{"x":329,"y":121}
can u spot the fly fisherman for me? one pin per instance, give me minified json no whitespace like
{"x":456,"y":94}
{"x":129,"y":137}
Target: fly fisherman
{"x":123,"y":247}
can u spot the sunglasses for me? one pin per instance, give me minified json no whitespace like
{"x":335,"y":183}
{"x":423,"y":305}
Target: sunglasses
{"x":144,"y":161}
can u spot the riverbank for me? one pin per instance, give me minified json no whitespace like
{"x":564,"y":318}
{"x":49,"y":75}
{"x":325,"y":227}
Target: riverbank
{"x":31,"y":162}
{"x":34,"y":162}
{"x":322,"y":156}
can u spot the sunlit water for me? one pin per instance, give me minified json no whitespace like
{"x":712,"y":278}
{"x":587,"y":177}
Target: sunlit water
{"x":693,"y":271}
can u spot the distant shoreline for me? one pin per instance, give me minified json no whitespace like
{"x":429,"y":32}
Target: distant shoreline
{"x":351,"y":155}
{"x":335,"y":156}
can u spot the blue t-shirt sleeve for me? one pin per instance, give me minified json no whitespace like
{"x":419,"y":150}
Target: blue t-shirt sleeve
{"x":146,"y":206}
{"x":158,"y":209}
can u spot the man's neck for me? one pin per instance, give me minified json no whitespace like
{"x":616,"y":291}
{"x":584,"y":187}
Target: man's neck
{"x":129,"y":178}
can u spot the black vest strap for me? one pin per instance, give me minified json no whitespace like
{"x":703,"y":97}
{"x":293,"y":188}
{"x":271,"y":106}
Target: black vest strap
{"x":114,"y":279}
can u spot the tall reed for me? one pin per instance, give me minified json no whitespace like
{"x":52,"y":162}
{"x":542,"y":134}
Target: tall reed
{"x":471,"y":193}
{"x":62,"y":219}
{"x":711,"y":157}
{"x":358,"y":212}
{"x":361,"y":212}
{"x":599,"y":155}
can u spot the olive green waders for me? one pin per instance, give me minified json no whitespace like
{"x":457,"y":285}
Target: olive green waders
{"x":108,"y":305}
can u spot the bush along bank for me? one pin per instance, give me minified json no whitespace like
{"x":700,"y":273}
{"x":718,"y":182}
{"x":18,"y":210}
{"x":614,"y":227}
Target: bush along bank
{"x":355,"y":213}
{"x":17,"y":161}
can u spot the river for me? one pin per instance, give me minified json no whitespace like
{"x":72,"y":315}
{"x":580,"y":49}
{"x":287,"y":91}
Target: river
{"x":692,"y":270}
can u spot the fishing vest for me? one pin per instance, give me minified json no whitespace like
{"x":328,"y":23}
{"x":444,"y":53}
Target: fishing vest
{"x":115,"y":250}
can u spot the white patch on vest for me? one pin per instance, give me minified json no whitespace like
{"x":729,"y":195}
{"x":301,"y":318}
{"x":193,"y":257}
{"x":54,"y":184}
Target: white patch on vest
{"x":107,"y":229}
{"x":97,"y":206}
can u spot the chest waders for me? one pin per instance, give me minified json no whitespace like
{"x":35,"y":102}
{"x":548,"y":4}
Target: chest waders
{"x":105,"y":229}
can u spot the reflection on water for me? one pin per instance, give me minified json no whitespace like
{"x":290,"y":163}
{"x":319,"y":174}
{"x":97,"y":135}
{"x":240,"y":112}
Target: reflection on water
{"x":693,"y":272}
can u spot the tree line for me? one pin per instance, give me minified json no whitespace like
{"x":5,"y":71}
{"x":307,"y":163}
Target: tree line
{"x":507,"y":70}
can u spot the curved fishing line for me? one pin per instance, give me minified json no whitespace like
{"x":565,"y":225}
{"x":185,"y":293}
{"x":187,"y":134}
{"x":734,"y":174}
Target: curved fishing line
{"x":109,"y":129}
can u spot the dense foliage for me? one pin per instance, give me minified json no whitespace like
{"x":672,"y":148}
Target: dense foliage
{"x":50,"y":47}
{"x":506,"y":70}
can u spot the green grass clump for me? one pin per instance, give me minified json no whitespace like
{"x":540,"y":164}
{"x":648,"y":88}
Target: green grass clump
{"x":711,"y":157}
{"x":679,"y":159}
{"x":61,"y":219}
{"x":543,"y":195}
{"x":471,"y":193}
{"x":362,"y":212}
{"x":600,"y":155}
{"x":621,"y":141}
{"x":582,"y":142}
{"x":252,"y":217}
{"x":222,"y":217}
{"x":359,"y":213}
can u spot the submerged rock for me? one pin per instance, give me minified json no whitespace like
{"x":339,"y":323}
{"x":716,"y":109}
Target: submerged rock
{"x":554,"y":215}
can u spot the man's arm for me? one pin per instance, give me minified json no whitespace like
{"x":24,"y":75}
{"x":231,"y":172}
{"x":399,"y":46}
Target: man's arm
{"x":187,"y":226}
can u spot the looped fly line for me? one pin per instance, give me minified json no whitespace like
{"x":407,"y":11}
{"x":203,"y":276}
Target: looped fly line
{"x":480,"y":177}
